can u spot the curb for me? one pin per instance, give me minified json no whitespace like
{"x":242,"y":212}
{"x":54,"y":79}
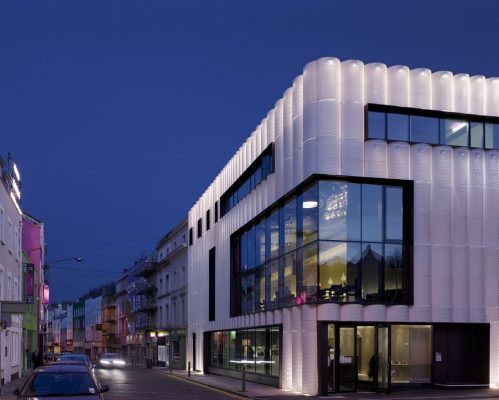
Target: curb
{"x":227,"y":392}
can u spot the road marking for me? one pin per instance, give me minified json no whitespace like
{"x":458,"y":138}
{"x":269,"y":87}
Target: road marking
{"x":203,"y":385}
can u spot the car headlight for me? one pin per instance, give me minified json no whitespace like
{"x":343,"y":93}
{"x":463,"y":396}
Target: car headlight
{"x":105,"y":362}
{"x":119,"y":362}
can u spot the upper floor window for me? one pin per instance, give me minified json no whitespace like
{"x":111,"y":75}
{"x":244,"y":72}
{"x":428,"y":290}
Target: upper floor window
{"x":190,"y":237}
{"x":2,"y":219}
{"x":208,"y":220}
{"x":200,"y":227}
{"x":253,"y":176}
{"x":432,"y":127}
{"x":9,"y":236}
{"x":216,"y":212}
{"x":330,"y":241}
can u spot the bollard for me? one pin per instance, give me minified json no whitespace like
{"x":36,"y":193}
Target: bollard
{"x":189,"y":369}
{"x":244,"y":379}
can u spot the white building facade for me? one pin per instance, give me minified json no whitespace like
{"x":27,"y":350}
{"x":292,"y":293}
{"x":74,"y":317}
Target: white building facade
{"x":10,"y":272}
{"x":354,"y":241}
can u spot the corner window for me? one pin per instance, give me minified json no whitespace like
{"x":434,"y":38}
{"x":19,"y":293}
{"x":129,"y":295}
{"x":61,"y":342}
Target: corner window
{"x":492,"y":136}
{"x":350,"y":245}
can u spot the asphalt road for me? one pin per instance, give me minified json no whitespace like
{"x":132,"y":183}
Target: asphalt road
{"x":138,"y":383}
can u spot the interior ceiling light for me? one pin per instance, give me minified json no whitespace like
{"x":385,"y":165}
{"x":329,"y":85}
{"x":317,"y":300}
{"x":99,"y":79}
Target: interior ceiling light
{"x":310,"y":204}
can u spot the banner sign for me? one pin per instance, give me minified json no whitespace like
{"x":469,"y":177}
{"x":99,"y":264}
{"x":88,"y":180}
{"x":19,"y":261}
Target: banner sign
{"x":30,"y":283}
{"x":46,"y":291}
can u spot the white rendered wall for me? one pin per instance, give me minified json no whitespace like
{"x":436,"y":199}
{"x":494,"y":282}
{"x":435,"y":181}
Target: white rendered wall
{"x":318,"y":127}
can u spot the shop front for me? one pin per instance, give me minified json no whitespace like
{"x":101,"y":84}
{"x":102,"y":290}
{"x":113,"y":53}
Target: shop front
{"x":384,"y":357}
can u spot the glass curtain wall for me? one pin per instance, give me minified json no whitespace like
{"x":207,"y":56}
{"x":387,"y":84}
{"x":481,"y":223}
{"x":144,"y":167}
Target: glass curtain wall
{"x":335,"y":241}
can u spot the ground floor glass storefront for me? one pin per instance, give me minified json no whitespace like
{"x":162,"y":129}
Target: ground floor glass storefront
{"x":257,"y":349}
{"x":374,"y":357}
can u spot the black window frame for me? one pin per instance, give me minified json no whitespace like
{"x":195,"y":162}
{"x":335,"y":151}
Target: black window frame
{"x":406,"y":242}
{"x":211,"y":284}
{"x":244,"y":185}
{"x":435,"y":114}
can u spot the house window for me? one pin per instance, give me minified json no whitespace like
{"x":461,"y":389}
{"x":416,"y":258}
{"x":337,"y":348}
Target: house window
{"x":216,"y":212}
{"x":208,"y":220}
{"x":190,"y":237}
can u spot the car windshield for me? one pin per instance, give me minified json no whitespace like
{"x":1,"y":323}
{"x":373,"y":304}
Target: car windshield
{"x":60,"y":384}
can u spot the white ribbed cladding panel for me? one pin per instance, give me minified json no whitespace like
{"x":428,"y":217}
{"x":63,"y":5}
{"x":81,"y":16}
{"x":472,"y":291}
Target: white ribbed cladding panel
{"x":421,"y":311}
{"x":494,"y":350}
{"x":279,"y":149}
{"x":352,"y":81}
{"x":398,"y":86}
{"x":475,"y":198}
{"x":328,"y":312}
{"x":492,"y":97}
{"x":309,"y":349}
{"x":398,"y":313}
{"x":477,"y":94}
{"x":328,"y":79}
{"x":270,"y":127}
{"x":462,"y":93}
{"x":476,"y":286}
{"x":421,"y":162}
{"x":352,"y":120}
{"x":420,"y":83}
{"x":296,"y":349}
{"x":352,"y":312}
{"x":460,"y":279}
{"x":441,"y":290}
{"x":310,"y":121}
{"x":288,"y":139}
{"x":298,"y":130}
{"x":375,"y":75}
{"x":352,"y":159}
{"x":286,"y":351}
{"x":398,"y":154}
{"x":442,"y":91}
{"x":375,"y":312}
{"x":375,"y":158}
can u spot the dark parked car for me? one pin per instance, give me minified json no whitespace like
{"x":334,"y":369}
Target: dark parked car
{"x":111,"y":360}
{"x":62,"y":381}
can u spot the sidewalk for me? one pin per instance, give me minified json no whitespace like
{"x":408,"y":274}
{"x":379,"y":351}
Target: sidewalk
{"x":258,"y":391}
{"x":7,"y":390}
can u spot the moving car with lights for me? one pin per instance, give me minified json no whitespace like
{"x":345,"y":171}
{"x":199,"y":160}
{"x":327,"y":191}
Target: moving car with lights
{"x":111,"y":360}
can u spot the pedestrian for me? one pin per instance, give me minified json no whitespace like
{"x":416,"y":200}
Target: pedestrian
{"x":33,"y":359}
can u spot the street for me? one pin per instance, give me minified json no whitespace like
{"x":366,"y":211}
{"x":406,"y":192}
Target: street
{"x":138,"y":383}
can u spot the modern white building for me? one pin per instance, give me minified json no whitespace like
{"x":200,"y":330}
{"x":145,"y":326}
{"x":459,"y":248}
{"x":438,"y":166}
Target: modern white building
{"x":10,"y":272}
{"x":171,"y":296}
{"x":353,"y":239}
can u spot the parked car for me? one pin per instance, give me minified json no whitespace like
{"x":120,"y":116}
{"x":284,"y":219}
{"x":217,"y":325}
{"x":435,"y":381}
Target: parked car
{"x":111,"y":360}
{"x":83,"y":358}
{"x":62,"y":381}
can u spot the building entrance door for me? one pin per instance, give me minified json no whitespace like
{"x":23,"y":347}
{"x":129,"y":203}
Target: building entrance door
{"x":363,"y":360}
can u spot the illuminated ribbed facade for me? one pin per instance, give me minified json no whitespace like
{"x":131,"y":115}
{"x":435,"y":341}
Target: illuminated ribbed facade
{"x":319,"y":131}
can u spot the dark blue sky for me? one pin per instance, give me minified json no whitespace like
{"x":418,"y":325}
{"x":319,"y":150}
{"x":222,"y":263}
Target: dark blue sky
{"x":120,"y":113}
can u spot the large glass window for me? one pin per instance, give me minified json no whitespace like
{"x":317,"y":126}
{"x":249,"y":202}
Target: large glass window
{"x":377,"y":125}
{"x":492,"y":136}
{"x":258,"y":349}
{"x":454,"y":132}
{"x":309,"y":206}
{"x":397,"y":127}
{"x":432,"y":127}
{"x":339,"y":210}
{"x":336,"y":241}
{"x":424,"y":129}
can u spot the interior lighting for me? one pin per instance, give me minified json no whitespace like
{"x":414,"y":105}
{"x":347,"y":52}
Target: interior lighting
{"x":310,"y":204}
{"x":458,"y":127}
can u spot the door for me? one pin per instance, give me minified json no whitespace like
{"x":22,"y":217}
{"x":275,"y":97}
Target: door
{"x":347,"y":359}
{"x":383,"y":360}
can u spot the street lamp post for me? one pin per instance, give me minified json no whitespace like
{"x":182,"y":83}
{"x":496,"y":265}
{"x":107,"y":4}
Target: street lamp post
{"x":46,"y":267}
